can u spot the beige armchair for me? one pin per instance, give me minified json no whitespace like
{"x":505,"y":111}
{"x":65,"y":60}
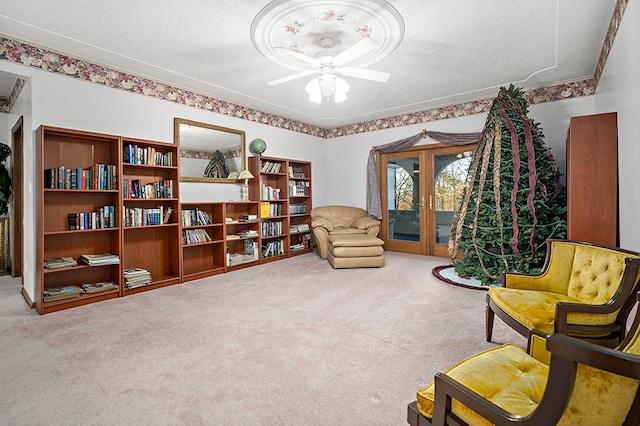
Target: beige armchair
{"x":340,"y":220}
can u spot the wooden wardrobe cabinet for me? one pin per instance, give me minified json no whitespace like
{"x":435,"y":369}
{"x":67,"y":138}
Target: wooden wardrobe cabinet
{"x":592,"y":179}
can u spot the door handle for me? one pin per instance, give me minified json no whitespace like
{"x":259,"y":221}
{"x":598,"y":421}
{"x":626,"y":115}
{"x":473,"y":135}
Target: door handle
{"x":430,"y":202}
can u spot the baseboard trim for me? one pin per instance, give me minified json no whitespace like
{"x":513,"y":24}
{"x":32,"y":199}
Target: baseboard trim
{"x":28,"y":299}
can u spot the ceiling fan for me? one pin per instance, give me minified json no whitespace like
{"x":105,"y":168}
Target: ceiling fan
{"x":329,"y":62}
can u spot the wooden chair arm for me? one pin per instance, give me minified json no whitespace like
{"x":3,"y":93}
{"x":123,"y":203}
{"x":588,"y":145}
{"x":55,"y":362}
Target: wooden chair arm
{"x":597,"y":356}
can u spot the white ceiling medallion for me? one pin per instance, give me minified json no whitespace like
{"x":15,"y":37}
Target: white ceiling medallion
{"x":300,"y":26}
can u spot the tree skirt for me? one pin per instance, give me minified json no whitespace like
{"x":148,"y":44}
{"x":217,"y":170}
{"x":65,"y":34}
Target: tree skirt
{"x":448,"y":274}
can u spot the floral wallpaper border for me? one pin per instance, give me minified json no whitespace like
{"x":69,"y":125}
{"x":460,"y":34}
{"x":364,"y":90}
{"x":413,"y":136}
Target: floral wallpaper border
{"x":208,"y":155}
{"x":6,"y":104}
{"x":23,"y":53}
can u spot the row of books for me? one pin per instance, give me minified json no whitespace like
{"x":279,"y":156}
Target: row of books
{"x":269,"y":193}
{"x":136,"y":277}
{"x":104,"y":217}
{"x":304,"y":242}
{"x":268,"y":209}
{"x":296,"y":172}
{"x":138,"y":216}
{"x":68,"y":291}
{"x":133,"y":154}
{"x":272,"y":248}
{"x":270,"y":228}
{"x":303,"y":227}
{"x":270,"y":166}
{"x":297,"y":208}
{"x":193,"y":217}
{"x":195,"y":236}
{"x":234,"y":259}
{"x":98,"y":177}
{"x":133,"y":188}
{"x":250,"y":254}
{"x":299,"y":188}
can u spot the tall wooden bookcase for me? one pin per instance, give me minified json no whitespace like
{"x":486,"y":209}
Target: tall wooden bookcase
{"x":75,"y":192}
{"x":203,"y":241}
{"x":242,"y":234}
{"x":283,"y":188}
{"x":150,"y":193}
{"x":299,"y":173}
{"x":592,"y":179}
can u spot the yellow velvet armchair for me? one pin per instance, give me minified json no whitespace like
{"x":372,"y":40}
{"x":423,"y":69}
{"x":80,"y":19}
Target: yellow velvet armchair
{"x":584,"y":290}
{"x":570,"y":382}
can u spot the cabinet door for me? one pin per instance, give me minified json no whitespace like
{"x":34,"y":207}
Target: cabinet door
{"x":592,"y":179}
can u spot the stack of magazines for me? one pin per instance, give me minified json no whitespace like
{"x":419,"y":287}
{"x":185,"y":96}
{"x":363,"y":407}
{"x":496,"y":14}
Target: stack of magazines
{"x":99,"y":286}
{"x":59,"y":262}
{"x":100,"y":259}
{"x":136,"y":277}
{"x":63,"y":292}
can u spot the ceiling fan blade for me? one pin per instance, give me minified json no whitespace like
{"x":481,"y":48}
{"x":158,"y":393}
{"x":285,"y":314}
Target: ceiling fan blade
{"x":379,"y":76}
{"x":299,"y":56}
{"x":355,"y":51}
{"x":291,"y":77}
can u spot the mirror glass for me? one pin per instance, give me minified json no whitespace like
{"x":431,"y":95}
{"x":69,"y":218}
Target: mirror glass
{"x":209,"y":153}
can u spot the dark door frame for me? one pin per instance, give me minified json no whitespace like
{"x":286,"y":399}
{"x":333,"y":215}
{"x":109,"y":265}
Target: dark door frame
{"x":17,"y":173}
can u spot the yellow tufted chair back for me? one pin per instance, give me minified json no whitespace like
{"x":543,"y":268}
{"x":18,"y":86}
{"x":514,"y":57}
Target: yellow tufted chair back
{"x":596,"y":274}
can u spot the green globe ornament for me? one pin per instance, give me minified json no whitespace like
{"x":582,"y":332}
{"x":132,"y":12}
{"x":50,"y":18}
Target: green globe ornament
{"x":258,"y":146}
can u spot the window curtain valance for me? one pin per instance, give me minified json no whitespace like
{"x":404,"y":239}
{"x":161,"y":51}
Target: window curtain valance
{"x":374,"y":207}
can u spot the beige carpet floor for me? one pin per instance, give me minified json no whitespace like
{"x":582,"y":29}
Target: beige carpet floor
{"x":292,"y":342}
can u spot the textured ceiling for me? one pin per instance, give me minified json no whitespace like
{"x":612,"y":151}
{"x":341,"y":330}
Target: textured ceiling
{"x":451,"y":52}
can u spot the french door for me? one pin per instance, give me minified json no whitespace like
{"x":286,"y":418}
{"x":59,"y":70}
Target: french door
{"x":421,"y":190}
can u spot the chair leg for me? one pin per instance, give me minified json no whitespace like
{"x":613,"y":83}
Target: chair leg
{"x":489,"y":322}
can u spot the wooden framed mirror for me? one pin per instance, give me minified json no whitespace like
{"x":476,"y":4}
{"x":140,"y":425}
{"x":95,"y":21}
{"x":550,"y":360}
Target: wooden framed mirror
{"x":209,"y":153}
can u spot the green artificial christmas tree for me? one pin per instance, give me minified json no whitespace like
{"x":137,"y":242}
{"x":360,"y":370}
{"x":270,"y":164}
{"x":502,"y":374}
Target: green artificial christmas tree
{"x":513,"y":201}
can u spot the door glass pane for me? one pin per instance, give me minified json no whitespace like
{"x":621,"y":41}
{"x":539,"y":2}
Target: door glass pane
{"x":403,"y":201}
{"x":450,"y":176}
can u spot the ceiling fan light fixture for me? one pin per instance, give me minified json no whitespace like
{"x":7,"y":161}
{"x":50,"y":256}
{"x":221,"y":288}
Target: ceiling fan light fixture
{"x":326,"y":86}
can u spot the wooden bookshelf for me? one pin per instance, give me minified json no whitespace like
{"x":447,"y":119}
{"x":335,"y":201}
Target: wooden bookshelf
{"x":79,"y":213}
{"x":300,"y":196}
{"x":242,"y":234}
{"x":150,"y":194}
{"x":270,"y":188}
{"x":283,"y":188}
{"x":202,"y":258}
